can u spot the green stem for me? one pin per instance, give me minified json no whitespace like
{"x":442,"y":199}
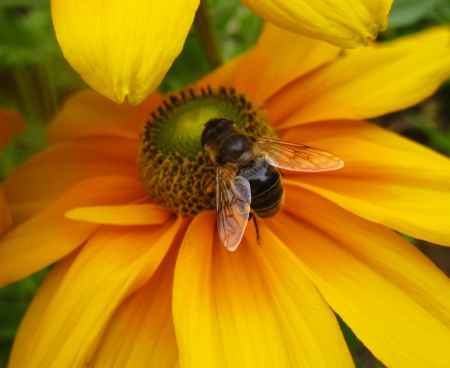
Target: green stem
{"x":208,"y":39}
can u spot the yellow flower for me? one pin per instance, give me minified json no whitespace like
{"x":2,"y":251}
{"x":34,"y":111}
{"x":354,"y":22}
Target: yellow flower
{"x":10,"y":124}
{"x":136,"y":285}
{"x":125,"y":48}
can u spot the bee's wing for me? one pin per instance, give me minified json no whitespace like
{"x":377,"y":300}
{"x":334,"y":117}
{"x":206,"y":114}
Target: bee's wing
{"x":233,"y":199}
{"x":292,"y":156}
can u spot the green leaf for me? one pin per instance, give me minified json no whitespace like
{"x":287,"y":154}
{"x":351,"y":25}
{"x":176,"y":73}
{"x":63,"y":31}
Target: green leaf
{"x":439,"y":138}
{"x":14,"y":301}
{"x":408,"y":12}
{"x":237,"y":29}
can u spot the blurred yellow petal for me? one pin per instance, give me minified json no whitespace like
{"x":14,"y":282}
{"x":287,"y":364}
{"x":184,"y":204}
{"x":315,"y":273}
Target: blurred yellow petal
{"x":141,"y":332}
{"x":367,"y":82}
{"x":10,"y":124}
{"x":384,"y":250}
{"x":49,"y":236}
{"x":250,"y":308}
{"x":122,"y":48}
{"x":55,"y":169}
{"x":343,"y":23}
{"x":313,"y":134}
{"x":278,"y":58}
{"x":139,"y":214}
{"x":37,"y":307}
{"x":90,"y":114}
{"x":394,"y":299}
{"x":401,"y":185}
{"x":223,"y":76}
{"x":116,"y":262}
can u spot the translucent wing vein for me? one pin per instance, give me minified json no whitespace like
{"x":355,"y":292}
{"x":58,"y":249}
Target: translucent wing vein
{"x":233,"y":198}
{"x":292,"y":156}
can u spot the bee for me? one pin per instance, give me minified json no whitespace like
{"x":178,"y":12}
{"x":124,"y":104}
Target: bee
{"x":247,"y":178}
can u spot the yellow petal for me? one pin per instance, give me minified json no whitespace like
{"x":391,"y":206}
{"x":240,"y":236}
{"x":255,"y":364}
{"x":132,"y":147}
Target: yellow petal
{"x":10,"y":124}
{"x":50,"y":236}
{"x":37,"y":307}
{"x":386,"y":178}
{"x":223,"y":76}
{"x":115,"y":263}
{"x":367,"y":82}
{"x":139,"y":214}
{"x":394,"y":299}
{"x":141,"y":332}
{"x":122,"y":48}
{"x":89,"y":114}
{"x":47,"y":175}
{"x":343,"y":23}
{"x":250,"y":308}
{"x":278,"y":58}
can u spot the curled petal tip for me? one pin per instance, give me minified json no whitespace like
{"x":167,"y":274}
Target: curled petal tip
{"x":343,"y":23}
{"x":120,"y":48}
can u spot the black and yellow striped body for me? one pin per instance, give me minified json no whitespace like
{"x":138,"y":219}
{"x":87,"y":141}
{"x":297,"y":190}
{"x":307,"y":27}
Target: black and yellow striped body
{"x":266,"y":187}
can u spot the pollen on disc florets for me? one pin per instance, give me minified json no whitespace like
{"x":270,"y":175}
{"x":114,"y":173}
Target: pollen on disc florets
{"x":175,"y":168}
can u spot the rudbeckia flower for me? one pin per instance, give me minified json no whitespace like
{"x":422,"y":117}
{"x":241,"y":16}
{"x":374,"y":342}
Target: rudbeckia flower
{"x":125,"y":48}
{"x":137,"y":284}
{"x":10,"y":124}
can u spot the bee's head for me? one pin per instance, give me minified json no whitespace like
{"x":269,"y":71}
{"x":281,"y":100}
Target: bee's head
{"x":213,"y":129}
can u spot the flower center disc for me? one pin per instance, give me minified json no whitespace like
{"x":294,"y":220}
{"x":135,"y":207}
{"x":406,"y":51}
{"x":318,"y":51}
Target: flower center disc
{"x":175,"y":168}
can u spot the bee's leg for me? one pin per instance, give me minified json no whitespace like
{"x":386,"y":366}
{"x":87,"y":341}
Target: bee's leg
{"x":253,"y":216}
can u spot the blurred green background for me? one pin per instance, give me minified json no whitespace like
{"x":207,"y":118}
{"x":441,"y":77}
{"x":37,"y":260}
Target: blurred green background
{"x":35,"y":79}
